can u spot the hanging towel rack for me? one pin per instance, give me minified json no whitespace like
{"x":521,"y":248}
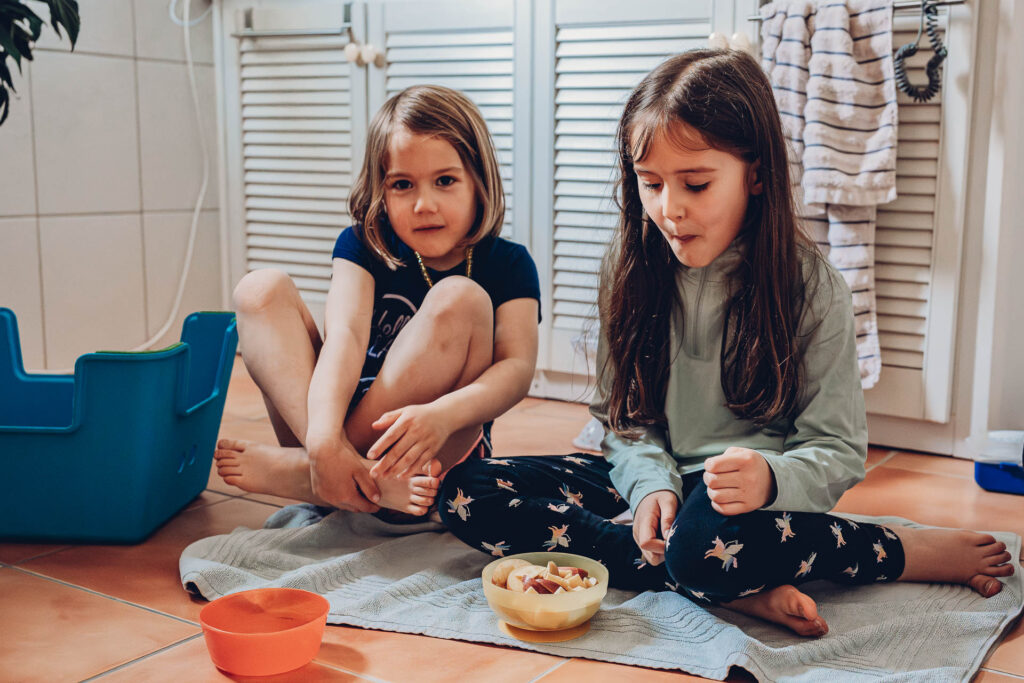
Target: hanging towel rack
{"x":908,"y":4}
{"x":345,"y":28}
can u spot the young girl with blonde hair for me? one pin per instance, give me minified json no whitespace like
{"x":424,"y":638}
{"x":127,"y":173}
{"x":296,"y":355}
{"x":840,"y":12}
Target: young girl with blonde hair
{"x":729,"y":384}
{"x":430,"y":328}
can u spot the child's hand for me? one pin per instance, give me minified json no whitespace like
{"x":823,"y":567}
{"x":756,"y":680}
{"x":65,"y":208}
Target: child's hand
{"x":414,"y":436}
{"x":651,"y":524}
{"x":738,"y":481}
{"x":339,"y":478}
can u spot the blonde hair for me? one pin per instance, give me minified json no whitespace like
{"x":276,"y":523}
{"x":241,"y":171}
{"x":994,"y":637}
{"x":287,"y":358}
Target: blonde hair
{"x":449,"y":115}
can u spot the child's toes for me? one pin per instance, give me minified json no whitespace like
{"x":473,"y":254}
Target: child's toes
{"x":425,"y":501}
{"x":230,"y":445}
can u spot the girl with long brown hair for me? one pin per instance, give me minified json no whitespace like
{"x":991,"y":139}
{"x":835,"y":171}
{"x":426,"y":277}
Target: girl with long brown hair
{"x":728,"y":383}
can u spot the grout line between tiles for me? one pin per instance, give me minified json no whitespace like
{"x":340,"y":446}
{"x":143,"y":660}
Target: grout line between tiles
{"x":43,"y":554}
{"x":561,"y":663}
{"x":104,"y":595}
{"x":362,"y":677}
{"x":165,"y":648}
{"x":887,"y":458}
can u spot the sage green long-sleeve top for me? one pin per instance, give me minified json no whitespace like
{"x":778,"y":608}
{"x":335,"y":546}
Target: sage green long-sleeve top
{"x":815,"y":455}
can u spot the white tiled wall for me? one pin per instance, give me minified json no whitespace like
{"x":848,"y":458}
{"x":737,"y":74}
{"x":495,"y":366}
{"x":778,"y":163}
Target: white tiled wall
{"x":100,"y":166}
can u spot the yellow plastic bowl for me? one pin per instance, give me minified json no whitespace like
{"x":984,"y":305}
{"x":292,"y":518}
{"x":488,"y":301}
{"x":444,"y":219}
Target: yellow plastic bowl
{"x":536,"y":612}
{"x":265,"y":631}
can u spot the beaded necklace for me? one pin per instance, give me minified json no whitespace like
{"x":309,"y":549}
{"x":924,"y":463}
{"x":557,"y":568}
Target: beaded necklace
{"x":426,"y":276}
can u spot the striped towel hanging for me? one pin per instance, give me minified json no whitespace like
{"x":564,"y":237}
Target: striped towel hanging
{"x":830,"y":64}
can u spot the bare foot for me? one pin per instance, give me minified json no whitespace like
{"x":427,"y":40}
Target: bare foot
{"x":954,"y":556}
{"x":264,"y":468}
{"x":783,"y":605}
{"x":412,"y":494}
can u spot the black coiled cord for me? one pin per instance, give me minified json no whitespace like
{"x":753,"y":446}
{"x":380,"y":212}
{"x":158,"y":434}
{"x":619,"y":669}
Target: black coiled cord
{"x":929,"y":20}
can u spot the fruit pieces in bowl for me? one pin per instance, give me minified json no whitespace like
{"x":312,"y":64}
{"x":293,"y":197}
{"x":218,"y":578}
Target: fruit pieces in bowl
{"x":536,"y":611}
{"x":521,"y":576}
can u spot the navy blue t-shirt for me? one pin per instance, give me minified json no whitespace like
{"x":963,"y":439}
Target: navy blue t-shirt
{"x":504,"y":269}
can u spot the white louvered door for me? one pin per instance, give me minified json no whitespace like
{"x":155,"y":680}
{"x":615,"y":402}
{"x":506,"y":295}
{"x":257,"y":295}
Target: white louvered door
{"x":595,"y":66}
{"x":471,"y":47}
{"x":303,"y":118}
{"x":917,"y":264}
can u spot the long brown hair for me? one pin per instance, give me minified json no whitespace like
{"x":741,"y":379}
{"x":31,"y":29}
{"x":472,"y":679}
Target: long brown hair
{"x":427,"y":110}
{"x":725,"y":96}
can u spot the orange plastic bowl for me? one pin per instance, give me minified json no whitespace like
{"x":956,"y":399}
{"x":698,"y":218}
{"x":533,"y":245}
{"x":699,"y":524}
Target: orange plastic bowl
{"x":265,"y":631}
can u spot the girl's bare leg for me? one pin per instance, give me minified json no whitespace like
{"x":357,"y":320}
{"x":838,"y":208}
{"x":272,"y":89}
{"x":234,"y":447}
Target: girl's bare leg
{"x":932,"y":555}
{"x":446,"y":345}
{"x":954,"y":556}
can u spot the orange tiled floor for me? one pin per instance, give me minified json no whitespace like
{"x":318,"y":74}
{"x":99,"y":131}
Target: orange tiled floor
{"x":119,"y":613}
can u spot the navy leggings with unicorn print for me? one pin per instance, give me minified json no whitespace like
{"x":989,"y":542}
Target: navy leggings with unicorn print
{"x":565,"y":502}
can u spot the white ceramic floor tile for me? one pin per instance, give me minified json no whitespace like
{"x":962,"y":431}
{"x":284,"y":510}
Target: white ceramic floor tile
{"x":86,"y":133}
{"x":20,"y":285}
{"x":18,"y":170}
{"x":92,"y":285}
{"x":157,"y":37}
{"x":107,"y":29}
{"x":166,"y":243}
{"x":171,"y":155}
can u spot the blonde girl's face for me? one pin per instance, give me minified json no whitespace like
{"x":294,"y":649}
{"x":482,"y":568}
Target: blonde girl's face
{"x":696,"y":195}
{"x":430,"y":197}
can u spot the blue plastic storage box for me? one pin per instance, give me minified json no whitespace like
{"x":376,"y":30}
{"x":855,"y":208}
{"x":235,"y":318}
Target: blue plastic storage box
{"x":1002,"y":477}
{"x":114,"y":451}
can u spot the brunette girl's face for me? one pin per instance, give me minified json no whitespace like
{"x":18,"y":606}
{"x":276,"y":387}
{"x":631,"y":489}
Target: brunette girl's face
{"x":430,"y":197}
{"x":695,"y":194}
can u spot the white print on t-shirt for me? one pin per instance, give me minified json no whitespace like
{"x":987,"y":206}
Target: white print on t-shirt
{"x":391,"y":316}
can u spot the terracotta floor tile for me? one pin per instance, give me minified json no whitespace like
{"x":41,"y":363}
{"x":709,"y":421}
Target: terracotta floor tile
{"x":933,"y":499}
{"x":534,"y":434}
{"x":206,"y":498}
{"x":244,"y":397}
{"x":190,"y":661}
{"x":277,"y":501}
{"x":147,"y":574}
{"x":933,"y":464}
{"x":578,"y":412}
{"x":14,"y":553}
{"x":604,"y":672}
{"x":55,"y":632}
{"x":1009,"y":654}
{"x":421,"y":659}
{"x":877,"y":455}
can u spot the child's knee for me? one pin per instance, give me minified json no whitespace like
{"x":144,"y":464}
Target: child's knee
{"x":458,"y":297}
{"x":260,"y":289}
{"x":701,"y":561}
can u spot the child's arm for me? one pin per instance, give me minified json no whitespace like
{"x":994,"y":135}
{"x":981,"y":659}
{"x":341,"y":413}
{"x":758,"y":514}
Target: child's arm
{"x":497,"y":389}
{"x":642,"y":465}
{"x":336,"y":474}
{"x":825,"y":451}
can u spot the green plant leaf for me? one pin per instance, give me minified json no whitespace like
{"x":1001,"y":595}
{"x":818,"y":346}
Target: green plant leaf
{"x":65,"y":13}
{"x":5,"y":103}
{"x":9,"y":46}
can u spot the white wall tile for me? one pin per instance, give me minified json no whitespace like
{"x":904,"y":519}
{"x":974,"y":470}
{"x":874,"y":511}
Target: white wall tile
{"x":166,"y":237}
{"x":18,"y":169}
{"x":86,"y":133}
{"x":171,"y":156}
{"x":92,"y":285}
{"x":107,"y":28}
{"x":20,"y":288}
{"x":157,"y":37}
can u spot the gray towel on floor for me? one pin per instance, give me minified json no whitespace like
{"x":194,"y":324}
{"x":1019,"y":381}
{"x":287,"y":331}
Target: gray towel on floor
{"x":420,"y":579}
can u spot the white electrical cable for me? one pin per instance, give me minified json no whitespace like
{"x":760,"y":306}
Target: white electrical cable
{"x":172,"y":11}
{"x":186,"y":25}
